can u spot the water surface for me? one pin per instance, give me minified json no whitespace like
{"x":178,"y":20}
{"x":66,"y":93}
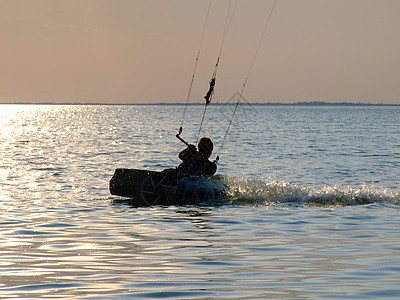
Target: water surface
{"x":314,"y":211}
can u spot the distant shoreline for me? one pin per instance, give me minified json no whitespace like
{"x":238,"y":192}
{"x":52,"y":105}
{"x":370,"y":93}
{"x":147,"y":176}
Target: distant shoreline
{"x":314,"y":103}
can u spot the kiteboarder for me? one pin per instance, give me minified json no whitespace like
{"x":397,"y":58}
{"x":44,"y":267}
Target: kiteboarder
{"x":196,"y":161}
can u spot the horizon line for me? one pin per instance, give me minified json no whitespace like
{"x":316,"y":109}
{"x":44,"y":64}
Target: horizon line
{"x":305,"y":103}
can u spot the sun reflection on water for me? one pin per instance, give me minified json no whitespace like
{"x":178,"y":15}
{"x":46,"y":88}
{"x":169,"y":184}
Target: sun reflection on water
{"x":11,"y":109}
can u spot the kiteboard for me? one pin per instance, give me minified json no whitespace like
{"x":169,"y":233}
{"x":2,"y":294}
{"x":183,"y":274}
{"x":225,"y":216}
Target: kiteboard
{"x":148,"y":188}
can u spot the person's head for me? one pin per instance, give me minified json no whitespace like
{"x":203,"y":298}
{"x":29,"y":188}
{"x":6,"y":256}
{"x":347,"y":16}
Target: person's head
{"x":205,"y":146}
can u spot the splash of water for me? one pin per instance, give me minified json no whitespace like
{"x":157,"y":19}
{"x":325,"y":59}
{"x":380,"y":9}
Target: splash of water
{"x":257,"y":192}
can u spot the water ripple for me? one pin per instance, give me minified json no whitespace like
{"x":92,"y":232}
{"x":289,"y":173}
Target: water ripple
{"x":313,"y":208}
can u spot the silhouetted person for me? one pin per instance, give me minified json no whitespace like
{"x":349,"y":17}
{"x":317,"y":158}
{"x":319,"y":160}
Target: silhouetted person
{"x":196,"y":161}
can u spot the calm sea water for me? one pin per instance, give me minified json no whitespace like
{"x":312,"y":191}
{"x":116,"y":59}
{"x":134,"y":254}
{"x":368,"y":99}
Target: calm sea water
{"x":314,"y":209}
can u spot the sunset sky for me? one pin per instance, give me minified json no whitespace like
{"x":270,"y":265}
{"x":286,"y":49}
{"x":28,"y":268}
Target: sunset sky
{"x":139,"y":51}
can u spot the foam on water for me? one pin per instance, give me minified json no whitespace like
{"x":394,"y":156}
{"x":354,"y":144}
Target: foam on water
{"x":258,"y":192}
{"x":227,"y":190}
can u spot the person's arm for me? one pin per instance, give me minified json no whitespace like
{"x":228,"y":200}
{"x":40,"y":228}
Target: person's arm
{"x":186,"y":153}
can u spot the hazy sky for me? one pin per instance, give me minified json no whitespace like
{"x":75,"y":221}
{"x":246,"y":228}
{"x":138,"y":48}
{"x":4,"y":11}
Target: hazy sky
{"x":136,"y":51}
